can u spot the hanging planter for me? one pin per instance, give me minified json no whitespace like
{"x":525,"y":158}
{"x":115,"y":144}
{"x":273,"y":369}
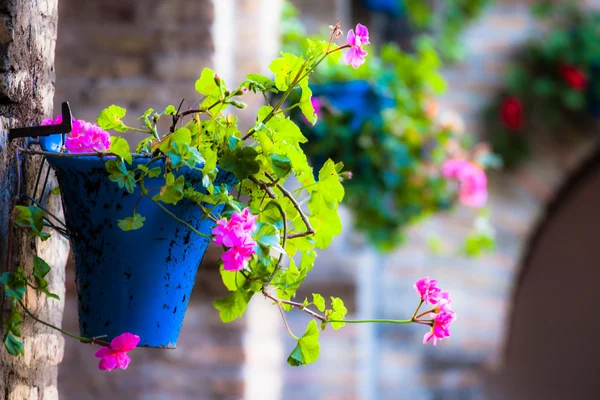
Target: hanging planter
{"x":129,"y":281}
{"x":381,"y":121}
{"x":139,"y":223}
{"x":390,"y":7}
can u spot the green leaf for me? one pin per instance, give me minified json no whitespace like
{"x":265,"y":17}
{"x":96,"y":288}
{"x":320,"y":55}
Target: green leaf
{"x":207,"y":84}
{"x":170,"y":110}
{"x":40,"y":270}
{"x":242,"y":162}
{"x":319,"y":301}
{"x":233,"y":306}
{"x":118,"y":173}
{"x":131,"y":223}
{"x":181,"y":135}
{"x":14,"y":284}
{"x":257,"y":82}
{"x":338,"y":313}
{"x":306,"y":105}
{"x":183,"y":154}
{"x":267,"y":237}
{"x":110,"y":118}
{"x":233,"y":280}
{"x":31,"y":218}
{"x":285,"y":68}
{"x":150,"y":172}
{"x":120,"y":147}
{"x":307,"y":350}
{"x":271,"y":214}
{"x":13,"y":344}
{"x":329,"y":191}
{"x":172,"y":192}
{"x":56,"y":190}
{"x":282,"y":165}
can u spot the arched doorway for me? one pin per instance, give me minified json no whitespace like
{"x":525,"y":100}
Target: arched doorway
{"x":551,"y":351}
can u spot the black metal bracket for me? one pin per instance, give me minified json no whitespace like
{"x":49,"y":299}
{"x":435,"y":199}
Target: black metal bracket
{"x":45,"y":130}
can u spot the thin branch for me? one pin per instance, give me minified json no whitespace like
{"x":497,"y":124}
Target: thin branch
{"x":264,"y":187}
{"x":83,"y":339}
{"x":286,"y":323}
{"x":278,"y":265}
{"x":294,"y":304}
{"x":286,"y":193}
{"x":196,"y":231}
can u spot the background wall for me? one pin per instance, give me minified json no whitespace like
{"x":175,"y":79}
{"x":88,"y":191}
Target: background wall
{"x":143,"y":54}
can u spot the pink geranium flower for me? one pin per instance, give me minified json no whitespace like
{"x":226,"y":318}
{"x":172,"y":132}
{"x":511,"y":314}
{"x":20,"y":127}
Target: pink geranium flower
{"x":84,"y":136}
{"x":428,"y":290}
{"x":355,"y":56}
{"x":116,"y":355}
{"x":472,"y":180}
{"x":441,"y":326}
{"x":236,"y":233}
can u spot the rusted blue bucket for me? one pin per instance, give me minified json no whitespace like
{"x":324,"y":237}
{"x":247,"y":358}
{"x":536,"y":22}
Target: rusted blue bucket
{"x":137,"y":281}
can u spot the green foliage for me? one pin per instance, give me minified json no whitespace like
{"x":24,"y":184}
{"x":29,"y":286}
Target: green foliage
{"x":15,"y":284}
{"x":12,"y":328}
{"x":336,"y":313}
{"x":234,"y":305}
{"x":544,"y":79}
{"x":388,"y":139}
{"x":172,"y":191}
{"x":120,"y":147}
{"x":241,"y":161}
{"x":132,"y":223}
{"x":40,"y":270}
{"x":307,"y":350}
{"x":118,"y":173}
{"x":31,"y":219}
{"x":110,"y":119}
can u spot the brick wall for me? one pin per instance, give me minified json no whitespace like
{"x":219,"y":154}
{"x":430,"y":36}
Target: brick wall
{"x":396,"y":365}
{"x":142,"y":54}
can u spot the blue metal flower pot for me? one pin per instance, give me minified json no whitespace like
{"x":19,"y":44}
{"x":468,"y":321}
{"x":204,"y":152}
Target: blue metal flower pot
{"x":390,"y":7}
{"x":138,"y":281}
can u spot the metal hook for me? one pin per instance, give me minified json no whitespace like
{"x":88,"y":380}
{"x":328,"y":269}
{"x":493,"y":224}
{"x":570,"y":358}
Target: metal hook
{"x":45,"y":130}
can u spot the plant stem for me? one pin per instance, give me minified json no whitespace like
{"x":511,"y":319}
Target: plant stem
{"x":376,"y":321}
{"x":83,"y":339}
{"x":425,"y":313}
{"x":278,"y":265}
{"x":130,"y":128}
{"x":286,"y":323}
{"x":286,"y":193}
{"x":294,"y":304}
{"x":196,"y":231}
{"x":349,"y":321}
{"x":417,"y":310}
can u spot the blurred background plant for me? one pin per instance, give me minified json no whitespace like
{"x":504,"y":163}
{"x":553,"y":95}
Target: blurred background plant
{"x":384,"y":122}
{"x":553,"y":82}
{"x":445,"y":19}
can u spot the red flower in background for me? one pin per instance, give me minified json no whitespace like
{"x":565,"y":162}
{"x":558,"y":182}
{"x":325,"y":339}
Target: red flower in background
{"x":574,"y":77}
{"x":511,"y":112}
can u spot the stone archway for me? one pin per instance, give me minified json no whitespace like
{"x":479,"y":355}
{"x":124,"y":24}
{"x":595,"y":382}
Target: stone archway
{"x":549,"y":350}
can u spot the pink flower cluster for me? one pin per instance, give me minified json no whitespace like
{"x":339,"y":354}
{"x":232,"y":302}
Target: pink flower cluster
{"x":84,"y":136}
{"x":116,"y":355}
{"x":237,"y":235}
{"x":355,"y":56}
{"x":441,"y":314}
{"x":471,"y":178}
